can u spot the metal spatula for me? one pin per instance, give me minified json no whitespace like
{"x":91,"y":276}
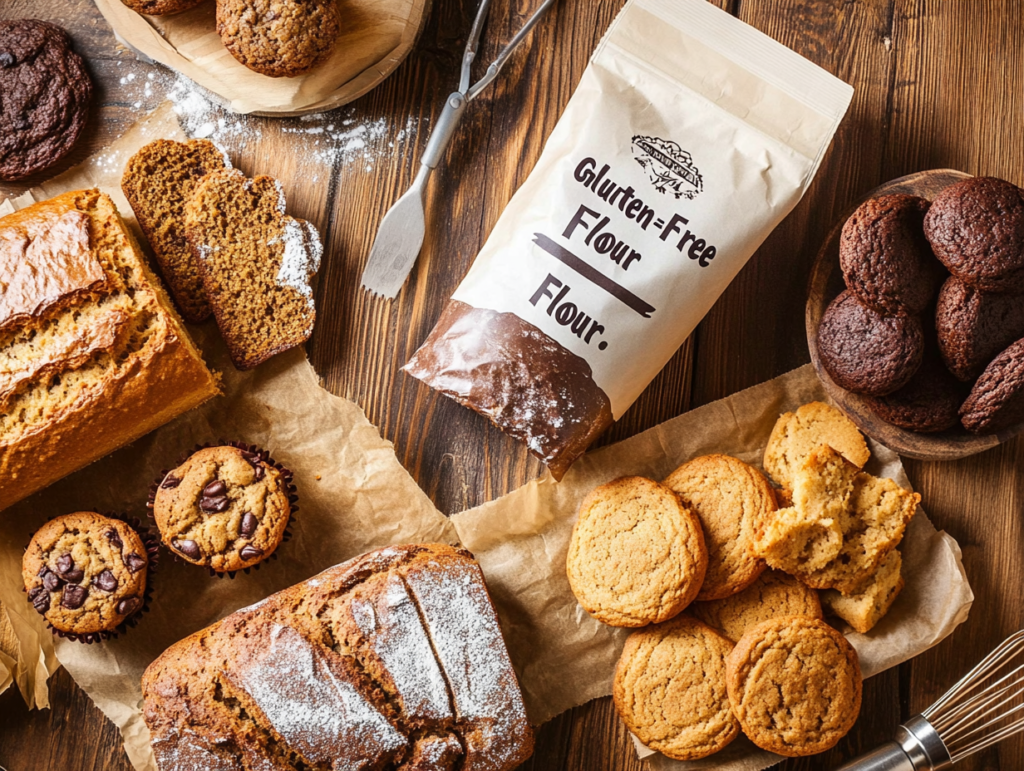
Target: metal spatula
{"x":400,"y":237}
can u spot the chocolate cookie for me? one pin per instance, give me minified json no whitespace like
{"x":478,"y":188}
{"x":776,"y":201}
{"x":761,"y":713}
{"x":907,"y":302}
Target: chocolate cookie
{"x":974,"y":325}
{"x":976,"y":228}
{"x":930,"y":402}
{"x":224,"y":508}
{"x":279,"y":38}
{"x":866,"y":352}
{"x":44,"y":97}
{"x":85,"y":573}
{"x":885,"y":258}
{"x":997,"y":399}
{"x":160,"y":7}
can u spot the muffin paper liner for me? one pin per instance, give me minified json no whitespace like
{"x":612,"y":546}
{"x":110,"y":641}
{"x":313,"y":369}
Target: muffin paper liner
{"x":152,"y":545}
{"x":264,"y":455}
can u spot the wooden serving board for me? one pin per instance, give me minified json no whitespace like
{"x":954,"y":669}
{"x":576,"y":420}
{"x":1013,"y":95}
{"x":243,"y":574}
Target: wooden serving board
{"x":827,"y":282}
{"x":376,"y":36}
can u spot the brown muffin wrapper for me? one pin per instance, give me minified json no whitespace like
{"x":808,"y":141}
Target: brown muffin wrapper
{"x":152,"y":544}
{"x":264,"y":455}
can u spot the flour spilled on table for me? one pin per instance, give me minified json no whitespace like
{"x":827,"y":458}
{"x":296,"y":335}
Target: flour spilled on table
{"x":322,"y":141}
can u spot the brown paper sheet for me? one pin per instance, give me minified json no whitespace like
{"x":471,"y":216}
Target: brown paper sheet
{"x":376,"y":35}
{"x":364,"y":499}
{"x":565,"y":658}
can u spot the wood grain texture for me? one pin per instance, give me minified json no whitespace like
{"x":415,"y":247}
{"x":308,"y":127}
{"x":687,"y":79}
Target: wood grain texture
{"x":938,"y":84}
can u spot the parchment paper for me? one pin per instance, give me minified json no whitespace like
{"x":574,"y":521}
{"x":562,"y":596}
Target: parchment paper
{"x":566,"y":658}
{"x":355,"y":496}
{"x":376,"y":35}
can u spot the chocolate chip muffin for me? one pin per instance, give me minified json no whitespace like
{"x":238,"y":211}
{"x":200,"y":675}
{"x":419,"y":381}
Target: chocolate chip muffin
{"x":279,"y":38}
{"x":930,"y":402}
{"x":997,"y":400}
{"x":976,"y":228}
{"x":866,"y":352}
{"x":973,"y":326}
{"x":885,"y":258}
{"x":85,"y":573}
{"x":44,"y":97}
{"x":225,"y":508}
{"x":160,"y":7}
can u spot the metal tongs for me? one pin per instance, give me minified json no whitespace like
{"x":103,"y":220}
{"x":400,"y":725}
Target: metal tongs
{"x":401,"y":233}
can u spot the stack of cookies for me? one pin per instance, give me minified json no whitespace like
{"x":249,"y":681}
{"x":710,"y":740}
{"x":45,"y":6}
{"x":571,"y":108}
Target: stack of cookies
{"x":745,"y":560}
{"x":930,"y":329}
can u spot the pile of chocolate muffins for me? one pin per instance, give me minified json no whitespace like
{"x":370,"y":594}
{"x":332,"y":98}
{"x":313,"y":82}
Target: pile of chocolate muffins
{"x":930,"y":329}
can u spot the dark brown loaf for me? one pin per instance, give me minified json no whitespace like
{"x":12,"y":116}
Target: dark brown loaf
{"x":391,"y":660}
{"x":526,"y":383}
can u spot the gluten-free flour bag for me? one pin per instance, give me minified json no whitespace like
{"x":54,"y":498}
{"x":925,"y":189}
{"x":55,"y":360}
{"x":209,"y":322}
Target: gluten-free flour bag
{"x":690,"y":137}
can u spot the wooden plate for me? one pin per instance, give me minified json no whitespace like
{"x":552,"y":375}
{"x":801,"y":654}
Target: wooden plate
{"x":376,"y":36}
{"x":827,"y":282}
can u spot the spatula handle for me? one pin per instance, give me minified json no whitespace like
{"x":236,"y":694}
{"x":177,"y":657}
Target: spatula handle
{"x":444,"y":130}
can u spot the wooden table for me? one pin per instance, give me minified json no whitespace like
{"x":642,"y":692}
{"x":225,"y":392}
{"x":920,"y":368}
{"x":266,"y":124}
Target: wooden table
{"x":938,"y":84}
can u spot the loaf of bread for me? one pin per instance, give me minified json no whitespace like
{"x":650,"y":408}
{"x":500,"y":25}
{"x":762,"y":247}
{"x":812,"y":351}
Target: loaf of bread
{"x":92,"y":353}
{"x":393,"y":660}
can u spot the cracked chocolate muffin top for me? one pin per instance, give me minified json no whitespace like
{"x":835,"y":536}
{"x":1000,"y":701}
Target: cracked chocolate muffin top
{"x":44,"y":97}
{"x":974,"y":326}
{"x":866,"y":352}
{"x":996,"y":401}
{"x":885,"y":259}
{"x":930,"y":402}
{"x":85,"y":573}
{"x":976,"y":228}
{"x":224,"y":508}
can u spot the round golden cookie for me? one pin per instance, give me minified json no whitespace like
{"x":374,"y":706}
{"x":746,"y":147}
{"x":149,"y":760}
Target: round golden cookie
{"x":795,"y":685}
{"x":773,"y":594}
{"x":223,"y":508}
{"x":670,"y":689}
{"x":85,"y":573}
{"x":637,"y":555}
{"x":730,"y":498}
{"x":797,"y":434}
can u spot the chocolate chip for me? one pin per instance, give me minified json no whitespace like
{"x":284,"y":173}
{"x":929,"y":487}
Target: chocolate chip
{"x":216,"y":488}
{"x":248,"y":526}
{"x":74,"y":576}
{"x":252,"y":457}
{"x":128,"y":605}
{"x":218,"y":504}
{"x":34,"y":594}
{"x":105,"y":581}
{"x":250,"y":553}
{"x":51,"y":581}
{"x":170,"y":482}
{"x":188,"y":547}
{"x":260,"y":472}
{"x":6,"y":60}
{"x":115,"y":539}
{"x":41,"y":602}
{"x":74,"y":596}
{"x":65,"y":563}
{"x":256,"y":462}
{"x":134,"y":562}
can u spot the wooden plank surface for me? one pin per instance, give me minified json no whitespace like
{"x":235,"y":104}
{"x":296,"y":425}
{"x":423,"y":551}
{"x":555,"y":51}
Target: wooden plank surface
{"x":938,"y":84}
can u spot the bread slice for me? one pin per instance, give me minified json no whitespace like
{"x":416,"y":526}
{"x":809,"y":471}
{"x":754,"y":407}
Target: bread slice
{"x":158,"y":181}
{"x":865,"y":609}
{"x":256,"y":264}
{"x":92,"y":353}
{"x":797,"y":434}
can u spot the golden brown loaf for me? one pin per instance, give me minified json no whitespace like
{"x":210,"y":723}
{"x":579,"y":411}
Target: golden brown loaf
{"x":92,"y":354}
{"x":392,"y":660}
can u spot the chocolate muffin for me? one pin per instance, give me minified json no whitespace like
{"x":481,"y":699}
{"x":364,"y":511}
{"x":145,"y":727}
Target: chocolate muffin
{"x":85,"y":573}
{"x":44,"y":97}
{"x":885,"y":258}
{"x":997,"y":400}
{"x":976,"y":228}
{"x":973,"y":326}
{"x":279,"y":38}
{"x":866,"y":352}
{"x":160,"y":7}
{"x":224,"y":508}
{"x":930,"y":402}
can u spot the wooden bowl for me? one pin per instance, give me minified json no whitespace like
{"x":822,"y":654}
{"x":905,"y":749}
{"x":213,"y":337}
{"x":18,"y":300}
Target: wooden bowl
{"x":825,"y":285}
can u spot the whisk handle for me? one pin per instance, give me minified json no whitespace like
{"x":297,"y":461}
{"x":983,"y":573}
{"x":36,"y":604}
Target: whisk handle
{"x":918,"y":747}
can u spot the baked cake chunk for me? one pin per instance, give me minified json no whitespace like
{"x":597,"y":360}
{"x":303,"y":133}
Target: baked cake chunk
{"x":158,"y":181}
{"x":256,"y":264}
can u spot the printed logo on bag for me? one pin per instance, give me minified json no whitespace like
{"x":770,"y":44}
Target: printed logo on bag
{"x":669,"y":167}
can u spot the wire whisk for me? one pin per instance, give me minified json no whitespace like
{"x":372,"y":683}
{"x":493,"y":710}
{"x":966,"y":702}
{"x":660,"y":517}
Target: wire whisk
{"x":983,"y":708}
